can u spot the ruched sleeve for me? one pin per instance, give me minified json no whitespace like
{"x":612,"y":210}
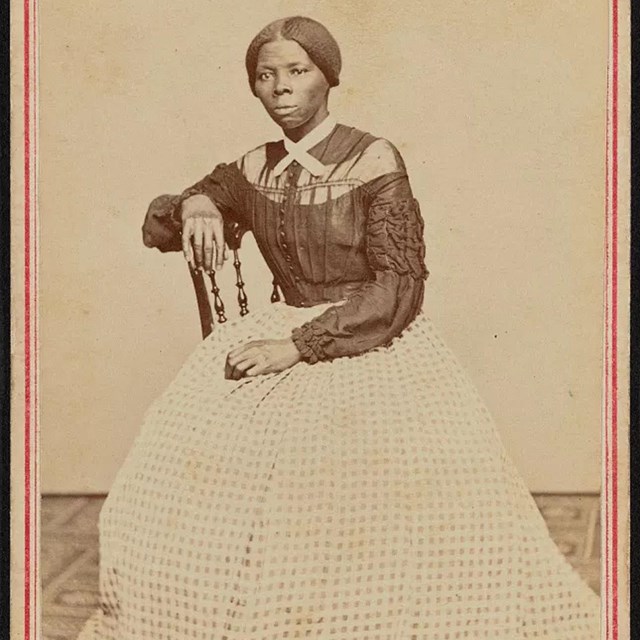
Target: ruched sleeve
{"x":383,"y":307}
{"x":225,"y":186}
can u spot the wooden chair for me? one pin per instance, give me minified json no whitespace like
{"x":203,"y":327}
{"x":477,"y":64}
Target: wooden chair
{"x":233,"y":233}
{"x":160,"y":232}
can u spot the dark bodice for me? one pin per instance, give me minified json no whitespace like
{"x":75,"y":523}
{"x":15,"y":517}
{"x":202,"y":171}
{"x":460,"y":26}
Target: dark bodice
{"x":353,"y":234}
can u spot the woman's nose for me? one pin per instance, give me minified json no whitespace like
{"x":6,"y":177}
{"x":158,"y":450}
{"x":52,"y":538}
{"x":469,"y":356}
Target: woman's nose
{"x":281,"y":86}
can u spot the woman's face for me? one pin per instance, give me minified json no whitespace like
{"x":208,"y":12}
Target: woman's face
{"x":291,"y":87}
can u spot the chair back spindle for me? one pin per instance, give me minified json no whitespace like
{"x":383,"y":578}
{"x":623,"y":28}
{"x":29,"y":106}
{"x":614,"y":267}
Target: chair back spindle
{"x":233,"y":233}
{"x":243,"y":301}
{"x":275,"y":294}
{"x":218,"y":305}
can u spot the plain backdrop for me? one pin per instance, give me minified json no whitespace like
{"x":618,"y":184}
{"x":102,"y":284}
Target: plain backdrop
{"x":499,"y":111}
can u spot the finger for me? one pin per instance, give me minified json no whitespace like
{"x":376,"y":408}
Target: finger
{"x":197,"y":243}
{"x":218,"y":236}
{"x":256,"y":370}
{"x":235,"y":360}
{"x":243,"y":357}
{"x":234,"y":352}
{"x":187,"y":249}
{"x":236,"y":374}
{"x":225,"y":252}
{"x":239,"y":370}
{"x":208,"y":252}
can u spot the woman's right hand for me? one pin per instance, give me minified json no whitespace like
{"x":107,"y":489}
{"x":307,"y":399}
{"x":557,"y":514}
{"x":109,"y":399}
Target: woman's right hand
{"x":202,"y":233}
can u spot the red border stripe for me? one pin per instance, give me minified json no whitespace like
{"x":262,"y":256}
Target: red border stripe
{"x":36,"y":369}
{"x":614,"y":324}
{"x":27,"y":317}
{"x":605,"y":415}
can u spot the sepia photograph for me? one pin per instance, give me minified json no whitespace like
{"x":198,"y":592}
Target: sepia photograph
{"x":323,"y":308}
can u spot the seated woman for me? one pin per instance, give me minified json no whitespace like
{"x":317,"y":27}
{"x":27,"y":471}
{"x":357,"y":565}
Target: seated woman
{"x":323,"y":467}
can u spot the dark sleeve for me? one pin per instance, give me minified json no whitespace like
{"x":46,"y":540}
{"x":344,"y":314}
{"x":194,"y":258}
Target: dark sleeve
{"x":225,"y":186}
{"x":382,"y":308}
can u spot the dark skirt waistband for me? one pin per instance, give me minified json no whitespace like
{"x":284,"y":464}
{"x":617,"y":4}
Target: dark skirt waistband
{"x":309,"y":294}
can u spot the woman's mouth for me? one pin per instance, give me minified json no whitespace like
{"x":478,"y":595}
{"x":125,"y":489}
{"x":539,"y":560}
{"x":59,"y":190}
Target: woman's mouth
{"x":283,"y":109}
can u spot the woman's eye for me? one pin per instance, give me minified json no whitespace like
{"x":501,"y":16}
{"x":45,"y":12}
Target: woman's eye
{"x":297,"y":72}
{"x":264,"y":75}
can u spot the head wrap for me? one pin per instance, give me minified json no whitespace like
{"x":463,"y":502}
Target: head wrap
{"x":312,"y":36}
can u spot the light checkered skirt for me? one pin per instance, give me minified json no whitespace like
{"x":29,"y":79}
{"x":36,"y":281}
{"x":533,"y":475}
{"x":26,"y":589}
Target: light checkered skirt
{"x":368,"y":498}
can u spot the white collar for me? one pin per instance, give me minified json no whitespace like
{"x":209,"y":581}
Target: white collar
{"x":298,"y":151}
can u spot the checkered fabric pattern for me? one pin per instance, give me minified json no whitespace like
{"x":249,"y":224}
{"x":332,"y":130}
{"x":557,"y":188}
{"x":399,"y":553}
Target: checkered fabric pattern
{"x":365,"y":498}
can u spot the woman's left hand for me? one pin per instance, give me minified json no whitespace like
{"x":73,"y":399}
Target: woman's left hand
{"x":261,"y":356}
